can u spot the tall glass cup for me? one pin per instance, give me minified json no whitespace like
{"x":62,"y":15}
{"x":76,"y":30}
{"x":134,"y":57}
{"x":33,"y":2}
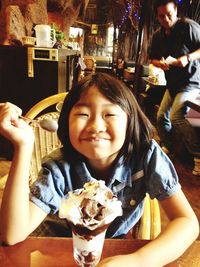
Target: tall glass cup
{"x":89,"y":211}
{"x":88,"y":249}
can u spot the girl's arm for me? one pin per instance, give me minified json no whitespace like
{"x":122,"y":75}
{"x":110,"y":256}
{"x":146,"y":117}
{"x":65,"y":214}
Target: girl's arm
{"x":19,"y":217}
{"x":179,"y":234}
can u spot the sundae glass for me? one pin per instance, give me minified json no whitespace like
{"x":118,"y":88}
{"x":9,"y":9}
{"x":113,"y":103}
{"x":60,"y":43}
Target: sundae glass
{"x":89,"y":211}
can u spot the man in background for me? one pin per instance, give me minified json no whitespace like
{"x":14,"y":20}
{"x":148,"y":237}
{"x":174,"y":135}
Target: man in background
{"x":176,"y":49}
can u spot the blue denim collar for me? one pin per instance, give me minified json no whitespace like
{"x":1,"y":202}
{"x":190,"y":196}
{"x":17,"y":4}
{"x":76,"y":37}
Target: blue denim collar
{"x":121,"y":173}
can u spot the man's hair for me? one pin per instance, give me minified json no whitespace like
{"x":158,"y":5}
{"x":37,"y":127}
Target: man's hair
{"x":159,"y":3}
{"x":139,"y":129}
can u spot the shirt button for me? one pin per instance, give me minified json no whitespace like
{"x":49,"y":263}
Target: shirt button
{"x":132,"y":202}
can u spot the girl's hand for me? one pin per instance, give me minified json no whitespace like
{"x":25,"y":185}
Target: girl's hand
{"x":12,"y":127}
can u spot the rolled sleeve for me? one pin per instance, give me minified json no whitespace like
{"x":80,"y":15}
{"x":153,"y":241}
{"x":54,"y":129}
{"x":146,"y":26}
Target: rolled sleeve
{"x":162,"y":179}
{"x":48,"y":189}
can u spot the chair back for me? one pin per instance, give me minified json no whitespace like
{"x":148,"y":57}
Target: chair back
{"x":90,"y":63}
{"x":45,"y":141}
{"x":149,"y":225}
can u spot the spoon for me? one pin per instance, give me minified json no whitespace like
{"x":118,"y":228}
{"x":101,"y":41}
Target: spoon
{"x":49,"y":125}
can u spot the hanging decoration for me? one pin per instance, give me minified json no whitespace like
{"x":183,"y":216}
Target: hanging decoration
{"x":131,"y":13}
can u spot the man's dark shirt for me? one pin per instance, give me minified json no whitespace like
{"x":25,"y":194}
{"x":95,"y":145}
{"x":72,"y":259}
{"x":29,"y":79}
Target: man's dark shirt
{"x":183,"y":39}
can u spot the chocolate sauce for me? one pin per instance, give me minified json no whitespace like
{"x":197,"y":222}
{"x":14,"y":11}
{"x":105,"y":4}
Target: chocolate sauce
{"x":86,"y":233}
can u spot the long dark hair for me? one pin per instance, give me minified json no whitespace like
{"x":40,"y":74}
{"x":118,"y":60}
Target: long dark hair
{"x":139,"y":129}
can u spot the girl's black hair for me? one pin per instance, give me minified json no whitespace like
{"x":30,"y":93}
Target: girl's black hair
{"x":159,"y":3}
{"x":139,"y":129}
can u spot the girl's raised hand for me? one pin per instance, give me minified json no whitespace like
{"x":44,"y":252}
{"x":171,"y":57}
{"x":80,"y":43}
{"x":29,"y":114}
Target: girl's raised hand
{"x":12,"y":127}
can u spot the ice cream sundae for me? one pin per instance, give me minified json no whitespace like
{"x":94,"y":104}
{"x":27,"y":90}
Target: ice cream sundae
{"x":89,"y":211}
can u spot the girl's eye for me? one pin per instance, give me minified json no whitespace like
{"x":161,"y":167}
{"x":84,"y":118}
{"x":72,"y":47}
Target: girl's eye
{"x":110,"y":115}
{"x":83,"y":114}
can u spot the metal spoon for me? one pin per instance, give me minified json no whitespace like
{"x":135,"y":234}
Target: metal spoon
{"x":50,"y":125}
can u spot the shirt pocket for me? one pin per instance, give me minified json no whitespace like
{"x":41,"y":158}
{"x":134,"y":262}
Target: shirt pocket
{"x":132,"y":196}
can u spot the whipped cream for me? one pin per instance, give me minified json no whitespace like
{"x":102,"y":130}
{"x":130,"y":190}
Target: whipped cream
{"x":93,"y":206}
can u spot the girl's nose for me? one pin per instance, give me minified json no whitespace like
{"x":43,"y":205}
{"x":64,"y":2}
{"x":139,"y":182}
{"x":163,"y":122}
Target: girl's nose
{"x":96,"y":125}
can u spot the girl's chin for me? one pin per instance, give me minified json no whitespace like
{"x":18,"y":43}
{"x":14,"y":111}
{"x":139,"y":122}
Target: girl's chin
{"x":96,"y":157}
{"x":101,"y":157}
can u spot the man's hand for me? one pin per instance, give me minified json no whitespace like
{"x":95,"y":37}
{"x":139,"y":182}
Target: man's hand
{"x":160,"y":63}
{"x":181,"y":62}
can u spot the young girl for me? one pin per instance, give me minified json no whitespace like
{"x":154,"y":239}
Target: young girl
{"x":106,"y":136}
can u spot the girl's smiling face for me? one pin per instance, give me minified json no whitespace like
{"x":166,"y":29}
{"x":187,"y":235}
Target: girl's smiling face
{"x":97,"y":127}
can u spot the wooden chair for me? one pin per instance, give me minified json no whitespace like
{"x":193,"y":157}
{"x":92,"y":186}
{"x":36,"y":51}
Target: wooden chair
{"x":45,"y":103}
{"x":45,"y":142}
{"x":149,"y":226}
{"x":90,"y":63}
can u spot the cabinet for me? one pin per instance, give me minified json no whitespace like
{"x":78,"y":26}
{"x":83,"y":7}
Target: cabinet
{"x":50,"y":77}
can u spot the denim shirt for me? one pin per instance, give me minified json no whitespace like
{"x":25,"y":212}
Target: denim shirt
{"x":153,"y":174}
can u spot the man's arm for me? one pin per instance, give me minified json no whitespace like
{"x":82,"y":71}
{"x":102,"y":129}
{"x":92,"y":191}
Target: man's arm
{"x":186,"y":59}
{"x":160,"y":63}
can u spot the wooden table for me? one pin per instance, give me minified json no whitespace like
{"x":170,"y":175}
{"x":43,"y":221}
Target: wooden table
{"x":58,"y":252}
{"x":193,"y":115}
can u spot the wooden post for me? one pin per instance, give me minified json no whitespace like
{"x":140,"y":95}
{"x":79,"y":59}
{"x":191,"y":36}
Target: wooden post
{"x":143,"y":41}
